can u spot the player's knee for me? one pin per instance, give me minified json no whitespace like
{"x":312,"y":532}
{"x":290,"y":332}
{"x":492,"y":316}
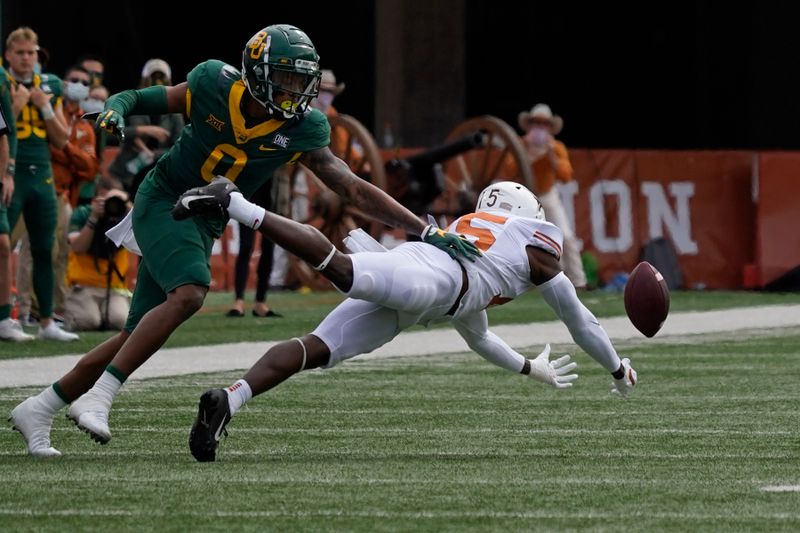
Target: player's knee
{"x":187,"y":299}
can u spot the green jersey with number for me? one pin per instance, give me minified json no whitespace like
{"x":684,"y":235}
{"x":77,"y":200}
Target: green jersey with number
{"x":33,"y":147}
{"x":217,"y":141}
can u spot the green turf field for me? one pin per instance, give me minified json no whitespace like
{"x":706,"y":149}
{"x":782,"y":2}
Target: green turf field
{"x":443,"y":443}
{"x":440,"y":444}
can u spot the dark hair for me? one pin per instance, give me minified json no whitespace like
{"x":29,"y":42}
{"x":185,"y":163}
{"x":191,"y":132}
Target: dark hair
{"x":75,"y":68}
{"x":90,"y":57}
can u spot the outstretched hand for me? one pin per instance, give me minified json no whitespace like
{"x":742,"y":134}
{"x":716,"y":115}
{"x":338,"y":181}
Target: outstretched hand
{"x":625,"y":385}
{"x":451,"y":243}
{"x":555,"y":373}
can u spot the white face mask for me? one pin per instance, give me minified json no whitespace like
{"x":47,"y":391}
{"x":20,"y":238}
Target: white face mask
{"x":92,"y":105}
{"x":323,"y":101}
{"x":75,"y":92}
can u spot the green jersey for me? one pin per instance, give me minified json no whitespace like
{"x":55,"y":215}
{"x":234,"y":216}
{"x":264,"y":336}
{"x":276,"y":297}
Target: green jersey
{"x":33,"y":147}
{"x":8,"y":113}
{"x":217,"y":142}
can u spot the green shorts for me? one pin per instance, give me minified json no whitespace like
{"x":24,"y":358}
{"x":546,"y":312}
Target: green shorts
{"x":4,"y":229}
{"x":173,"y":253}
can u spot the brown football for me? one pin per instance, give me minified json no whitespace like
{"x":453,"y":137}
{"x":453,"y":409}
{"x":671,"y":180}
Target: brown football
{"x":646,"y":299}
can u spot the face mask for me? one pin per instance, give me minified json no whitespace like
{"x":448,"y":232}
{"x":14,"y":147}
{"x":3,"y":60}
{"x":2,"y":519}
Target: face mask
{"x":75,"y":92}
{"x":323,"y":101}
{"x":537,"y":136}
{"x":93,"y":105}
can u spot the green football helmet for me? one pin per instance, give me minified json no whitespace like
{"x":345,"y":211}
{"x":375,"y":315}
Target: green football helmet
{"x":280,"y":68}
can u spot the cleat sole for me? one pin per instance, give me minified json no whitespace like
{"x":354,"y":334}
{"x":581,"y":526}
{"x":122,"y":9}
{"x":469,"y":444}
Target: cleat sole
{"x":94,"y":436}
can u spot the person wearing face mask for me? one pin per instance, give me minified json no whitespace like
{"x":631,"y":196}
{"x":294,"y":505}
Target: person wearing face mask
{"x":148,"y":137}
{"x":77,"y":162}
{"x":73,"y":165}
{"x":550,"y":162}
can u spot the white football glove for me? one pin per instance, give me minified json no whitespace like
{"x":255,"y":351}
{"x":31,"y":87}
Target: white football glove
{"x":625,"y":385}
{"x":555,"y":373}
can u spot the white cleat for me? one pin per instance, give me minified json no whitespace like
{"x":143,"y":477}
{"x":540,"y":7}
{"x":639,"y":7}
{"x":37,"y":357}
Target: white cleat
{"x":54,"y":333}
{"x":31,"y":419}
{"x":11,"y":330}
{"x":90,"y":415}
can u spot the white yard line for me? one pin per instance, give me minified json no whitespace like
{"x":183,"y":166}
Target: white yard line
{"x":781,"y":488}
{"x":236,"y":356}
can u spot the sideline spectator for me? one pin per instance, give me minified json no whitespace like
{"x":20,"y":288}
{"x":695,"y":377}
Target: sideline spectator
{"x":98,"y":298}
{"x":549,"y":161}
{"x":147,"y":137}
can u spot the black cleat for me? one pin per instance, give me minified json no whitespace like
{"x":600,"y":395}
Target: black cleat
{"x":212,"y":417}
{"x":211,"y":200}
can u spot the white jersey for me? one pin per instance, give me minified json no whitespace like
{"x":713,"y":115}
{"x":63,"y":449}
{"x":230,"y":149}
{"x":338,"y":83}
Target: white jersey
{"x":503,"y":272}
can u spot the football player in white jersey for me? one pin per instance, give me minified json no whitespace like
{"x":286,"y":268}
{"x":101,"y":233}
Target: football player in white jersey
{"x":389,"y":291}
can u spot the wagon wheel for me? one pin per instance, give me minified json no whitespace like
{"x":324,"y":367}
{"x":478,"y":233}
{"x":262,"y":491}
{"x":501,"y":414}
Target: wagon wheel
{"x":502,"y":157}
{"x":313,"y":203}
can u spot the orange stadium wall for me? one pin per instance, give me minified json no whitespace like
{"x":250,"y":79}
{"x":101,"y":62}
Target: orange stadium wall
{"x":778,"y":240}
{"x":701,"y":201}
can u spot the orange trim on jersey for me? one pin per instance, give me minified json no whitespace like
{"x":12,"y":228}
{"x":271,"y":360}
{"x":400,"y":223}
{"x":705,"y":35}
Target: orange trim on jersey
{"x":498,"y":300}
{"x":241,"y":133}
{"x":188,"y":101}
{"x":541,"y":236}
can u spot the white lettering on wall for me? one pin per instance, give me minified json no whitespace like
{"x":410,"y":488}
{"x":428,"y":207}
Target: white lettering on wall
{"x":597,"y":193}
{"x":568,"y":191}
{"x":660,"y":214}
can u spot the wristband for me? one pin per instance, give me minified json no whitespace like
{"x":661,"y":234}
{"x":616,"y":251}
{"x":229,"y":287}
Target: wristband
{"x":11,"y":169}
{"x":47,"y":111}
{"x":91,"y":224}
{"x":324,"y":264}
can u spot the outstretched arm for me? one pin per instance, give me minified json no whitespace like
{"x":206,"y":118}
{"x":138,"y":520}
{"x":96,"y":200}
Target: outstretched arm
{"x":156,"y":100}
{"x":374,"y":202}
{"x":560,"y":295}
{"x":475,"y":331}
{"x":337,"y":175}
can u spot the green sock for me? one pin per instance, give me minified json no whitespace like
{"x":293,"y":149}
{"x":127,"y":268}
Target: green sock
{"x":117,"y":373}
{"x":60,"y":392}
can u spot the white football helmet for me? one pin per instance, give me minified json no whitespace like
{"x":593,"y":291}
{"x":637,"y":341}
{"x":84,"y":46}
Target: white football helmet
{"x":510,"y":197}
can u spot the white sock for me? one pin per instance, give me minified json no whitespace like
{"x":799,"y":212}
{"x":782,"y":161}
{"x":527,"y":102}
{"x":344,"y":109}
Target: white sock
{"x":106,"y":388}
{"x":245,"y":212}
{"x":51,"y":400}
{"x":238,"y":394}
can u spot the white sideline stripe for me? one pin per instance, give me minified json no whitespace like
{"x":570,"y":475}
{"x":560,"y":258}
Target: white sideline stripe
{"x":279,"y":452}
{"x":377,"y":513}
{"x":452,"y":431}
{"x":781,"y":488}
{"x":236,"y":356}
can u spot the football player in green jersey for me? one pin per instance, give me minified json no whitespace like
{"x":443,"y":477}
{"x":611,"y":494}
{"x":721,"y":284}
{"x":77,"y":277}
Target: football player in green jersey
{"x":36,"y":100}
{"x":242,"y":125}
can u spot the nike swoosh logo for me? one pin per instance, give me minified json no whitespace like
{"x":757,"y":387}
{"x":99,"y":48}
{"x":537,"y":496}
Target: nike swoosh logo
{"x":218,"y":433}
{"x":266,"y":148}
{"x":189,"y":199}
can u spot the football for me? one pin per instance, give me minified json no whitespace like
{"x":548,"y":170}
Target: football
{"x":646,"y":299}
